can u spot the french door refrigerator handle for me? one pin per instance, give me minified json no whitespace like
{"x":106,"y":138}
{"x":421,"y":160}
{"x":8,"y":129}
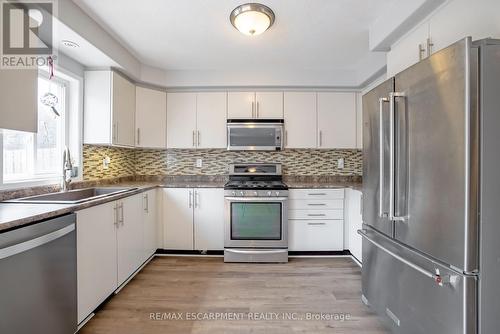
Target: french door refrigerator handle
{"x":392,"y":148}
{"x":381,"y":102}
{"x":437,"y":277}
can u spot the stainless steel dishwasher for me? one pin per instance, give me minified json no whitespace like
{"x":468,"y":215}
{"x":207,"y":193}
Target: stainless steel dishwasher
{"x":38,"y":278}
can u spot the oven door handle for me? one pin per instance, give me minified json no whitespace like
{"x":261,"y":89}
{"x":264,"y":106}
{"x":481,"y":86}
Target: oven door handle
{"x":256,"y":199}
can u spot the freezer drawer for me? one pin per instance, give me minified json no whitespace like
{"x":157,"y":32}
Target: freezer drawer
{"x":403,"y":288}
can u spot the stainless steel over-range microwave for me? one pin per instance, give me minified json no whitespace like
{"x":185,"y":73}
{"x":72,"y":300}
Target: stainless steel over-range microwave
{"x":255,"y":134}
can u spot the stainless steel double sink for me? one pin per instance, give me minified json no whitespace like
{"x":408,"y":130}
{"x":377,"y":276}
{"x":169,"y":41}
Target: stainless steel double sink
{"x":72,"y":196}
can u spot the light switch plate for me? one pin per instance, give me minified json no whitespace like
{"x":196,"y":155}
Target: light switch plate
{"x":199,"y":163}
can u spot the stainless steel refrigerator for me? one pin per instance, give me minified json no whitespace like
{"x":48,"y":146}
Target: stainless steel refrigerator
{"x":431,"y":193}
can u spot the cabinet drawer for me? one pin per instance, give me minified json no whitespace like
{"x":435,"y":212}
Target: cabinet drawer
{"x":316,"y":194}
{"x":315,"y":214}
{"x":315,"y":204}
{"x":316,"y":235}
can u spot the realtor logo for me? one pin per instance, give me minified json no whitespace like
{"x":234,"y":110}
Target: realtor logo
{"x":27,"y":33}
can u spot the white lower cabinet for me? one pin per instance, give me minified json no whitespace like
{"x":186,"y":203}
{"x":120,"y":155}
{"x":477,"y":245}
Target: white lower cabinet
{"x":316,"y":220}
{"x":150,"y":225}
{"x":193,"y":219}
{"x":316,"y":235}
{"x":209,"y":219}
{"x":113,"y":241}
{"x":129,"y":236}
{"x":96,"y":256}
{"x":354,"y":221}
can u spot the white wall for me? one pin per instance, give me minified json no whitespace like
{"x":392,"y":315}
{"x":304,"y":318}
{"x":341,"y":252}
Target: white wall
{"x":451,"y":22}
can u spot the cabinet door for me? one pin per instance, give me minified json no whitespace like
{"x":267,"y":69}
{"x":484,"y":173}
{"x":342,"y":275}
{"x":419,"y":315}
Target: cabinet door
{"x":316,"y":235}
{"x":354,"y":222}
{"x":269,"y":105}
{"x":96,"y":256}
{"x":211,"y":120}
{"x":123,"y":130}
{"x":181,"y":120}
{"x":150,"y":218}
{"x":19,"y":100}
{"x":150,"y":118}
{"x":178,"y":218}
{"x":240,"y":105}
{"x":129,"y":236}
{"x":336,"y":120}
{"x":300,"y":119}
{"x":406,"y":51}
{"x":209,"y":219}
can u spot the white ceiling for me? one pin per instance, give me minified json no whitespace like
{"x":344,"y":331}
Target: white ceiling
{"x":197,"y":35}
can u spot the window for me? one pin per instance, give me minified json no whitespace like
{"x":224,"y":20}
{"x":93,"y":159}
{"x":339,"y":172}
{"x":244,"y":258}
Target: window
{"x":37,"y":157}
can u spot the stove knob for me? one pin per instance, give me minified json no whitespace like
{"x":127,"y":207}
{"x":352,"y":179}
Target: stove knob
{"x":255,"y":193}
{"x":242,"y":193}
{"x":233,"y":193}
{"x":269,"y":193}
{"x":277,"y":193}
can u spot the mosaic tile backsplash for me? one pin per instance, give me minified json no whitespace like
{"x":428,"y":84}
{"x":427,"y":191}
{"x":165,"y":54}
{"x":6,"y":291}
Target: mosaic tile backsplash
{"x":215,"y":161}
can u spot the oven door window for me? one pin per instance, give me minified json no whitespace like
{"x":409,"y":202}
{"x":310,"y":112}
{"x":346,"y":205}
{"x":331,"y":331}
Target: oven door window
{"x":256,"y":221}
{"x":244,"y":137}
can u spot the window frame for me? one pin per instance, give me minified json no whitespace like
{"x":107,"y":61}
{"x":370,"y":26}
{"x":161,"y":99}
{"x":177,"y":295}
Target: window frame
{"x":73,"y":85}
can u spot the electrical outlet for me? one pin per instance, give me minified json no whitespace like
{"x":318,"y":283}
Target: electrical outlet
{"x":340,"y":163}
{"x":105,"y":162}
{"x":199,"y":163}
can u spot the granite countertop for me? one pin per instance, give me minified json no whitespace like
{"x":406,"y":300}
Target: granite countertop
{"x":13,"y":215}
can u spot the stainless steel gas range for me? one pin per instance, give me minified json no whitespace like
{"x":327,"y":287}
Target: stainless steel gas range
{"x":256,"y":214}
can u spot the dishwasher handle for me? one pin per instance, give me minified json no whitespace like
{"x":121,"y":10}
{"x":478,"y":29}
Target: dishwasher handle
{"x":36,"y":242}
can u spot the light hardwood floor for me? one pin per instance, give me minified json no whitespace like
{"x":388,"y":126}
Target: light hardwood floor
{"x":168,"y":285}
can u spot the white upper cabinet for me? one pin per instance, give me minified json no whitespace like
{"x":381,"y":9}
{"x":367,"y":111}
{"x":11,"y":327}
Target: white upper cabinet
{"x":336,"y":120}
{"x":240,"y":105}
{"x":150,"y":118}
{"x":269,"y":105}
{"x":408,"y":51}
{"x":109,"y":109}
{"x":19,"y":100}
{"x":300,"y":119}
{"x":196,"y":120}
{"x":181,"y":120}
{"x":248,"y":105}
{"x":211,"y":120}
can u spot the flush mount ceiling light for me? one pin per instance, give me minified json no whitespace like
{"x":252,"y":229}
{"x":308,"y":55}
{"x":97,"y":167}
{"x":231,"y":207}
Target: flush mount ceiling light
{"x":252,"y":18}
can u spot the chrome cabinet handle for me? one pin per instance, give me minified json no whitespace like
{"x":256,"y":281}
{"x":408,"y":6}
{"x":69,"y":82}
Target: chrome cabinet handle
{"x":429,"y":47}
{"x":316,"y":224}
{"x":122,"y":216}
{"x":257,"y":109}
{"x":196,"y":199}
{"x":138,"y":136}
{"x":199,"y":138}
{"x":190,"y":203}
{"x":253,"y":109}
{"x":316,"y":204}
{"x":116,"y":222}
{"x":316,"y":214}
{"x":114,"y":132}
{"x":194,"y":138}
{"x":381,"y":102}
{"x":146,"y":203}
{"x":392,"y":111}
{"x":317,"y":194}
{"x":439,"y":279}
{"x":421,"y":51}
{"x":320,"y":138}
